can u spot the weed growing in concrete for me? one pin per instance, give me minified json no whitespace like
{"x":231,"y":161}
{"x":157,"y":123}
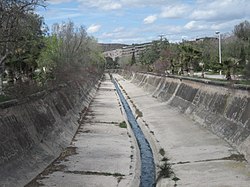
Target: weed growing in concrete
{"x":138,"y":113}
{"x":165,"y":171}
{"x":165,"y":159}
{"x":123,"y":125}
{"x":129,"y":135}
{"x":119,"y":179}
{"x":162,"y":151}
{"x":175,"y":179}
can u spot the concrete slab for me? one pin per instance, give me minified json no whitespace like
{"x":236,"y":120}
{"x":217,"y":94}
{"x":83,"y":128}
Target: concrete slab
{"x":199,"y":157}
{"x":78,"y":180}
{"x":101,"y":152}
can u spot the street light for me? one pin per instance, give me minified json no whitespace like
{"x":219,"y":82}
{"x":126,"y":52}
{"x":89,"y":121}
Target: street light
{"x":218,"y":32}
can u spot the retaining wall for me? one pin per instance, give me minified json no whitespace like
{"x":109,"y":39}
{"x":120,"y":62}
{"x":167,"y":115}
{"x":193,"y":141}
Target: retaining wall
{"x":35,"y":130}
{"x":222,"y":108}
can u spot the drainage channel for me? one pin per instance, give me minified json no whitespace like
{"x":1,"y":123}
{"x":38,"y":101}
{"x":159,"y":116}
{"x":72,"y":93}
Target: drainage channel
{"x":147,"y":178}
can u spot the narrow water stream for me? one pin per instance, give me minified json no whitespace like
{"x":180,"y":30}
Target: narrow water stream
{"x":147,"y":178}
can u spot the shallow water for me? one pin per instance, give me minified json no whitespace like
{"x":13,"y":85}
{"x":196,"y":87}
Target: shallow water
{"x":147,"y":178}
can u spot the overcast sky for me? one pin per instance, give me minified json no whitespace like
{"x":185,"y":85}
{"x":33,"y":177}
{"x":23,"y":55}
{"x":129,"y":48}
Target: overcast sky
{"x":138,"y":21}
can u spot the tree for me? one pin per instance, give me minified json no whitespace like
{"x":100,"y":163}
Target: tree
{"x":69,"y":51}
{"x":133,"y":60}
{"x":230,"y":66}
{"x":247,"y":71}
{"x":153,"y":53}
{"x":234,"y":48}
{"x":189,"y":57}
{"x":209,"y":52}
{"x":110,"y":64}
{"x":242,"y":30}
{"x":23,"y":60}
{"x":16,"y":18}
{"x":165,"y":61}
{"x":18,"y":27}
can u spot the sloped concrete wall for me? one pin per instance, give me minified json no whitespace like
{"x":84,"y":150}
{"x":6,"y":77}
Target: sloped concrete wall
{"x":221,"y":108}
{"x":34,"y":131}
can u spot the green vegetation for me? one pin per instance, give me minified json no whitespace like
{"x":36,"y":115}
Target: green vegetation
{"x":112,"y":64}
{"x":165,"y":170}
{"x":200,"y":55}
{"x":33,"y":59}
{"x":123,"y":124}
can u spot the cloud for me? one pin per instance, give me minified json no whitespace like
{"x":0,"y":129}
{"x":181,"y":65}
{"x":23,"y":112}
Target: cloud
{"x":120,"y":4}
{"x":118,"y":29}
{"x":60,"y":14}
{"x":112,"y":6}
{"x":101,"y":4}
{"x":220,"y":10}
{"x":58,"y":1}
{"x":196,"y":25}
{"x":150,"y":19}
{"x":175,"y":11}
{"x":93,"y":28}
{"x":190,"y":25}
{"x":126,"y":17}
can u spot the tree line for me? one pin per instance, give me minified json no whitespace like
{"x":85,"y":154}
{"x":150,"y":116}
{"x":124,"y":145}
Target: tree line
{"x":31,"y":55}
{"x":200,"y":55}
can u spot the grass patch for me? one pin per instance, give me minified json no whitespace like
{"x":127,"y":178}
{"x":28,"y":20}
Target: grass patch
{"x":123,"y":125}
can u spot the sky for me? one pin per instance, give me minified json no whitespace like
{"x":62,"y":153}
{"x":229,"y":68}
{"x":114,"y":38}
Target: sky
{"x":139,"y":21}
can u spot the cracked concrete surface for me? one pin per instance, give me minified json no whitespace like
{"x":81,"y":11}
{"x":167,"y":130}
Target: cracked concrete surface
{"x":100,"y":153}
{"x":199,"y":158}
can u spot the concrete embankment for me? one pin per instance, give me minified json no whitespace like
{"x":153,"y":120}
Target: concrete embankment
{"x":224,"y":110}
{"x":202,"y":127}
{"x":35,"y":130}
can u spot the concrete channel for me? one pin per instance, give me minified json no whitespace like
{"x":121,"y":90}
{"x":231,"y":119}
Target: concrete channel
{"x":198,"y":156}
{"x":102,"y":153}
{"x":147,"y":177}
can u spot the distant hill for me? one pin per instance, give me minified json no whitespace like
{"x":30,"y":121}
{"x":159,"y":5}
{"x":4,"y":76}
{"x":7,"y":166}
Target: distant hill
{"x":111,"y":46}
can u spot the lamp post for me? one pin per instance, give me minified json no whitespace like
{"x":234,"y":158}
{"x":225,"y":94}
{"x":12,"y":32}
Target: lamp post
{"x":218,"y":32}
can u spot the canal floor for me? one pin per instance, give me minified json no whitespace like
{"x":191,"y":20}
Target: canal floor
{"x":101,"y":153}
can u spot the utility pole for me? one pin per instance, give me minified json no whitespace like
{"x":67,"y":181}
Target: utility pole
{"x":218,"y":32}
